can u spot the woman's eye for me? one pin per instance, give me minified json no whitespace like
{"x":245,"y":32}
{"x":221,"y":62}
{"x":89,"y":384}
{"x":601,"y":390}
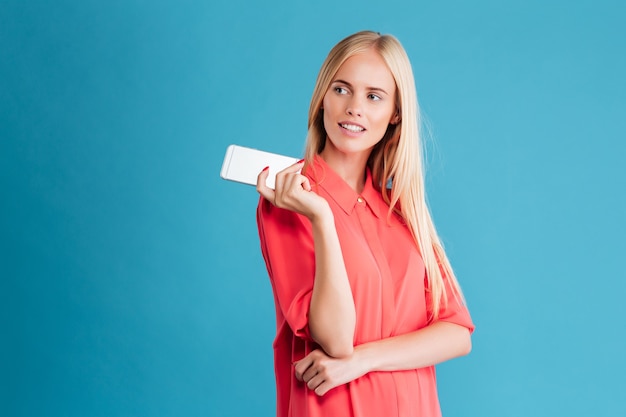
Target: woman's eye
{"x":341,"y":90}
{"x":373,"y":97}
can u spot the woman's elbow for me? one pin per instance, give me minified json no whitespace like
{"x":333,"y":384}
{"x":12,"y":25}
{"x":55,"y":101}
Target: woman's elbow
{"x":466,"y":343}
{"x":337,"y":344}
{"x":338,"y":350}
{"x":334,"y":346}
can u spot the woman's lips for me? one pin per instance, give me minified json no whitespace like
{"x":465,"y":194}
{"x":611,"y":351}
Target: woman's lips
{"x":352,"y":127}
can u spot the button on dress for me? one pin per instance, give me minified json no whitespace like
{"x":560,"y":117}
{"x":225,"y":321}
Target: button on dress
{"x":388,"y":281}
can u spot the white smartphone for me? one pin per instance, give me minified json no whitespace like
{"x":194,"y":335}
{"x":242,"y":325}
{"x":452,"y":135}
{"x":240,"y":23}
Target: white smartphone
{"x":243,"y":165}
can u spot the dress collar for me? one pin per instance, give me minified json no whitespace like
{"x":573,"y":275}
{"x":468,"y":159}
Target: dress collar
{"x":320,"y":173}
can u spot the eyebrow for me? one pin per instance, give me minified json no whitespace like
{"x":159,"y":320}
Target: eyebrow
{"x":368,"y":88}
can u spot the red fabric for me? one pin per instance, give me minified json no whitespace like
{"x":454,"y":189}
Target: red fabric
{"x":387,"y":278}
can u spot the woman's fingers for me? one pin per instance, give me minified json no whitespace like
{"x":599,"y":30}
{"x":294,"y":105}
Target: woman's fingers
{"x":293,"y":192}
{"x":322,"y":373}
{"x":295,"y":167}
{"x":322,"y":388}
{"x":305,"y":365}
{"x":262,"y":187}
{"x":310,"y":373}
{"x":315,"y":382}
{"x":301,"y":367}
{"x":281,"y":178}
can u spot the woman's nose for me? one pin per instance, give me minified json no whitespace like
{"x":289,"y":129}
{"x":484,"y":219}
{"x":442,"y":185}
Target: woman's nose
{"x":353,"y":112}
{"x":354,"y":108}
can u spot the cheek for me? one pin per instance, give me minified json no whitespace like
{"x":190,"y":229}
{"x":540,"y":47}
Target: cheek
{"x":326,"y":119}
{"x":327,"y":111}
{"x":382,"y":122}
{"x":386,"y":116}
{"x":327,"y":105}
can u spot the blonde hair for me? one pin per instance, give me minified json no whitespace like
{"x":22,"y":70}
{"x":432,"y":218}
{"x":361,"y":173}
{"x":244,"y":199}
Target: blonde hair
{"x":396,"y":159}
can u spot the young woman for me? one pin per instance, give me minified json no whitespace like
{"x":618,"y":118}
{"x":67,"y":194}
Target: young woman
{"x":366,"y":300}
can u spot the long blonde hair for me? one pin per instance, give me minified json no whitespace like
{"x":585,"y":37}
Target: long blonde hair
{"x":396,"y":159}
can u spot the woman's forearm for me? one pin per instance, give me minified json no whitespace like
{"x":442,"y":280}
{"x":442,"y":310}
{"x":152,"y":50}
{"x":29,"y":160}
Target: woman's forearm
{"x":431,"y":345}
{"x":332,"y":314}
{"x":425,"y":347}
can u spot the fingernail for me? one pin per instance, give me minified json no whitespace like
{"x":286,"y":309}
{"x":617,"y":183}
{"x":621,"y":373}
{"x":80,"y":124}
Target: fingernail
{"x":266,"y":168}
{"x":300,"y":161}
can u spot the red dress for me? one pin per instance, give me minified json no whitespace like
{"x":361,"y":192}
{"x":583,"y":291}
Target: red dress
{"x":387,"y":278}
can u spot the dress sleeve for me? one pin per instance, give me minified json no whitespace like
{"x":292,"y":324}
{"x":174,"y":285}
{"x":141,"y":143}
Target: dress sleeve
{"x":288,"y":250}
{"x":453,"y":310}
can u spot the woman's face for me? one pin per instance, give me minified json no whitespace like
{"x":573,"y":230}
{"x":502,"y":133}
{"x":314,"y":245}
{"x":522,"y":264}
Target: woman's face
{"x":359,"y":105}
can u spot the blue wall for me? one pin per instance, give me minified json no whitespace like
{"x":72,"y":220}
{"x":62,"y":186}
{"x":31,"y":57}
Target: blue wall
{"x":131,"y":279}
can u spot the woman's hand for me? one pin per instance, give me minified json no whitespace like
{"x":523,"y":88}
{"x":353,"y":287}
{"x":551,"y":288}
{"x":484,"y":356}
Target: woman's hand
{"x":323,"y":373}
{"x":293,"y":192}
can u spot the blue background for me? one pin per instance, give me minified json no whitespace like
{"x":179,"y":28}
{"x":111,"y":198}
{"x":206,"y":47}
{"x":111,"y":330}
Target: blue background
{"x":132,"y":282}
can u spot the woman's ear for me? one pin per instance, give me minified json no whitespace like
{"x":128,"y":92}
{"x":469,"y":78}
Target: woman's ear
{"x":396,"y":118}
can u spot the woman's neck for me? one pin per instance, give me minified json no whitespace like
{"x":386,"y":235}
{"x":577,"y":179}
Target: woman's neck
{"x":351,"y":168}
